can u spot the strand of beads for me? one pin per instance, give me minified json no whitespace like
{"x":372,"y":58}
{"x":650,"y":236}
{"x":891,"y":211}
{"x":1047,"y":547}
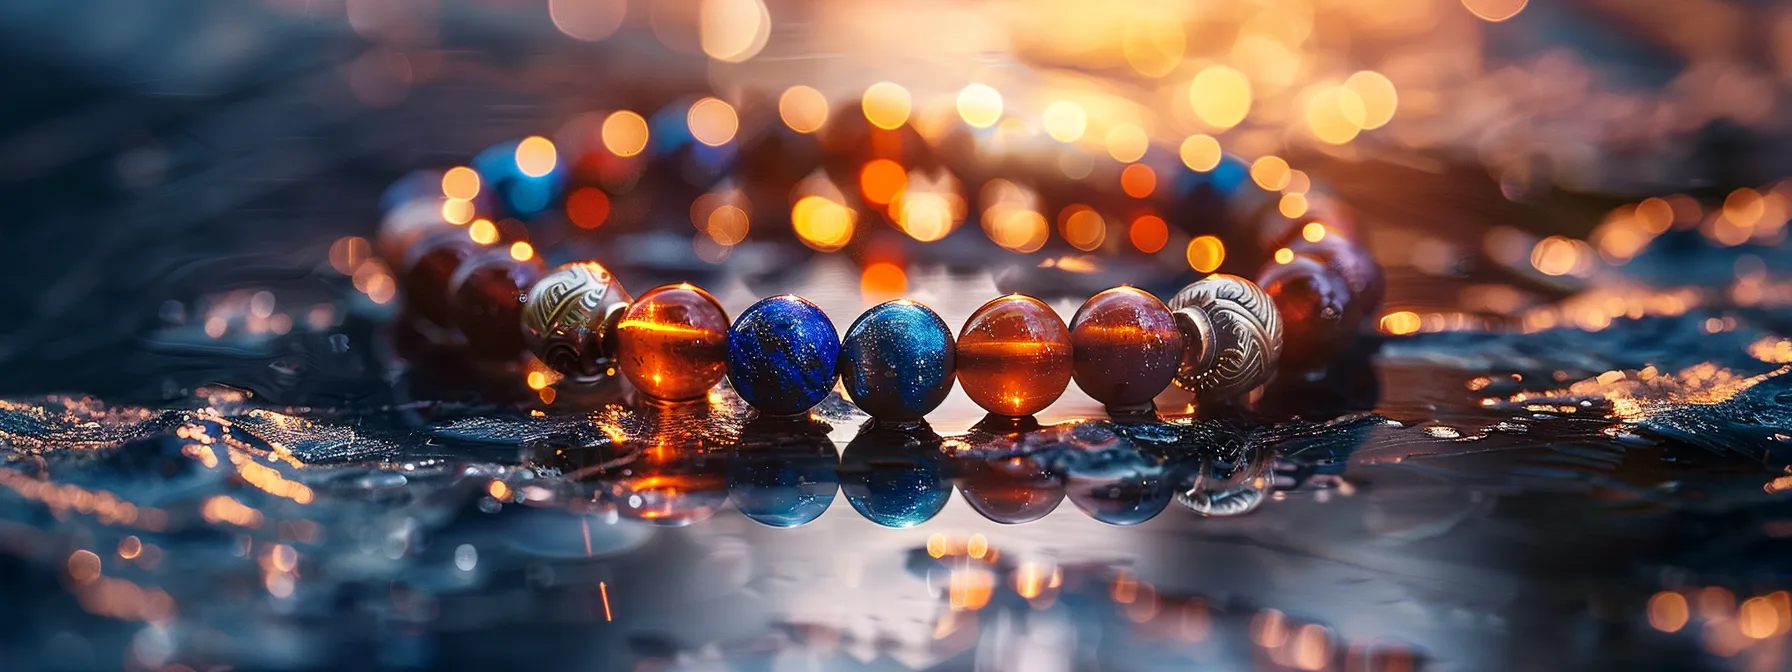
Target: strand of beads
{"x":1220,"y":337}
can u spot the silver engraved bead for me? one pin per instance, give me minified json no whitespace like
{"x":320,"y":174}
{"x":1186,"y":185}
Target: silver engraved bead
{"x":570,"y":317}
{"x":1233,"y":334}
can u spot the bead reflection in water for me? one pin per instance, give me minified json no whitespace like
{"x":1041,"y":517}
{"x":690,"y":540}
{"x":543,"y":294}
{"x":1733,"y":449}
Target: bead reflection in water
{"x":1004,"y":484}
{"x":1227,"y":481}
{"x":1109,"y":479}
{"x":895,"y":476}
{"x":783,"y":473}
{"x":678,"y":475}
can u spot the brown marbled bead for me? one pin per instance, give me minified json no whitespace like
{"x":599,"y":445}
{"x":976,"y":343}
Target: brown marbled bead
{"x":428,"y":267}
{"x":1313,"y":299}
{"x":672,"y":342}
{"x":1125,"y":347}
{"x":485,"y":302}
{"x":1014,"y":356}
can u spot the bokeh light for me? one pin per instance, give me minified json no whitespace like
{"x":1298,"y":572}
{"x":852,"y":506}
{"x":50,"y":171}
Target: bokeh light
{"x":1220,"y":96}
{"x":803,"y":109}
{"x":1206,"y":253}
{"x":460,"y":182}
{"x":886,"y":105}
{"x":822,"y":223}
{"x":980,"y":105}
{"x":1270,"y":173}
{"x":625,"y":133}
{"x":1149,"y":233}
{"x":1335,"y":114}
{"x":712,"y":121}
{"x":733,"y":30}
{"x":1380,"y":99}
{"x":535,"y":156}
{"x":1127,"y":143}
{"x":587,"y":20}
{"x":1065,"y":121}
{"x":1201,"y":153}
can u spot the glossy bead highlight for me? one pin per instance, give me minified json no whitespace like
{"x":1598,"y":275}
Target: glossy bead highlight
{"x":1313,"y":298}
{"x":1125,"y":348}
{"x":569,"y":319}
{"x":486,"y":302}
{"x":897,"y":360}
{"x":672,"y":342}
{"x":1014,"y":356}
{"x":782,"y":354}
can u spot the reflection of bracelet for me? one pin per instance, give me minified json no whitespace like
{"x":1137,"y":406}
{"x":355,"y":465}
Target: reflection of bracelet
{"x":1220,"y":337}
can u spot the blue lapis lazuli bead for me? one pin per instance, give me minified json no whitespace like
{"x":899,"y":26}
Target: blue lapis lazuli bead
{"x":782,"y":354}
{"x":897,"y":361}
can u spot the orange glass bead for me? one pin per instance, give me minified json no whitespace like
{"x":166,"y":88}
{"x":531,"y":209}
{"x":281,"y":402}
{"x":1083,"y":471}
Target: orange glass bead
{"x":1014,"y":356}
{"x":1125,"y":346}
{"x":672,"y":342}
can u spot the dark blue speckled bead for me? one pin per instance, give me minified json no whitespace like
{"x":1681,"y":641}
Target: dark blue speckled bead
{"x":897,"y":361}
{"x":896,"y":476}
{"x":781,"y":355}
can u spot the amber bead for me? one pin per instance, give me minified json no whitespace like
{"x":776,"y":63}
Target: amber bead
{"x":1125,"y":348}
{"x":672,"y":342}
{"x":1312,"y":298}
{"x":1014,"y":356}
{"x":485,"y":302}
{"x":429,"y":266}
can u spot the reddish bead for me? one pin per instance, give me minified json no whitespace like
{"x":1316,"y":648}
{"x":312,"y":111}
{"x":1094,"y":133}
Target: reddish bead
{"x":1125,"y":347}
{"x":429,"y":266}
{"x":405,"y":226}
{"x":1313,"y":299}
{"x":1014,"y":356}
{"x":486,"y":302}
{"x":672,"y":342}
{"x":1361,"y":272}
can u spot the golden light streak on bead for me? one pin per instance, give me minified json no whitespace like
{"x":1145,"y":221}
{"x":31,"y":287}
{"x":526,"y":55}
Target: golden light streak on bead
{"x":483,"y":232}
{"x":1206,"y":253}
{"x":535,"y":156}
{"x":886,"y":105}
{"x":522,"y":251}
{"x":1127,"y":143}
{"x":803,"y":109}
{"x":1270,"y":173}
{"x":1200,"y":152}
{"x":1065,"y":121}
{"x":1138,"y":180}
{"x":460,"y":182}
{"x":1220,"y":96}
{"x":712,"y":121}
{"x":456,"y":211}
{"x":1380,"y":99}
{"x":1495,"y":11}
{"x":1149,"y":233}
{"x":733,"y":31}
{"x":1292,"y":206}
{"x":980,"y":105}
{"x":624,"y":133}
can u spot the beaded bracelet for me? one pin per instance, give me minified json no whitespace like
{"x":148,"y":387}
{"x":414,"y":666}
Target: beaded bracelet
{"x":1219,"y":337}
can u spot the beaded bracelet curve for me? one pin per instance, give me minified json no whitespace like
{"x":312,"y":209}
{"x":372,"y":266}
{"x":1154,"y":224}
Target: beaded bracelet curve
{"x":1220,"y":337}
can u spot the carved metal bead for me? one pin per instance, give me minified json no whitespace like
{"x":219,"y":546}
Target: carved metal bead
{"x":570,"y":319}
{"x":1244,"y":337}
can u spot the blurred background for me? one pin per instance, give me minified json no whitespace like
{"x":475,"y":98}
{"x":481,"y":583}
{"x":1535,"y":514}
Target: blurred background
{"x":1562,"y":446}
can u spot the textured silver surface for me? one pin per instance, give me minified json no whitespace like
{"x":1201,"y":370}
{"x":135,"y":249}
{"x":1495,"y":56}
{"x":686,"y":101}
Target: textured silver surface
{"x":1246,"y":331}
{"x":570,"y":317}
